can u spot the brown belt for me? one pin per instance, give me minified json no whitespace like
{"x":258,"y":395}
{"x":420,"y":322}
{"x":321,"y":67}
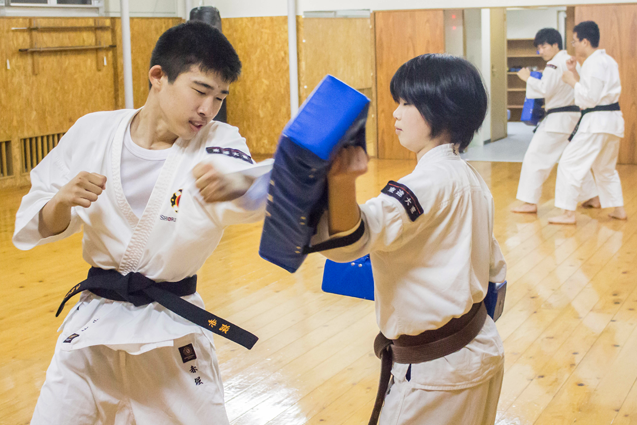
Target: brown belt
{"x":429,"y":345}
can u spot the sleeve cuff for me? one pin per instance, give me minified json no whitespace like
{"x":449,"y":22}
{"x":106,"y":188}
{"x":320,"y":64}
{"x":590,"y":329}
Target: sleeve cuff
{"x":347,"y":232}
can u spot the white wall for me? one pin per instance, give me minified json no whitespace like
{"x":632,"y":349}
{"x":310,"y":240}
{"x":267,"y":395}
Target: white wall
{"x":478,"y":38}
{"x":485,"y":69}
{"x":144,"y":8}
{"x":454,"y":37}
{"x":525,"y":23}
{"x":245,"y":8}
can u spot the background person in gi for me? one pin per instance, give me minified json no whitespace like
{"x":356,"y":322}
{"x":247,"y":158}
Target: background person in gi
{"x":595,"y":146}
{"x":551,"y":136}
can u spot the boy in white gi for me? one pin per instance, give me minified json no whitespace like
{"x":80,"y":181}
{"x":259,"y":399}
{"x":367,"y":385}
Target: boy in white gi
{"x":595,"y":145}
{"x":551,"y":136}
{"x":433,"y":253}
{"x":153,"y":210}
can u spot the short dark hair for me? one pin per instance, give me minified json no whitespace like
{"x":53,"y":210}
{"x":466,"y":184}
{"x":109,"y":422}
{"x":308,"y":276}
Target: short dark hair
{"x":447,"y":91}
{"x":588,"y":30}
{"x":548,"y":35}
{"x":195,"y":43}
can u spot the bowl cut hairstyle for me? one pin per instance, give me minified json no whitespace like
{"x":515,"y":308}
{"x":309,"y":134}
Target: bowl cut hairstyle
{"x":196,"y":43}
{"x":447,"y":91}
{"x":549,"y":36}
{"x":588,"y":30}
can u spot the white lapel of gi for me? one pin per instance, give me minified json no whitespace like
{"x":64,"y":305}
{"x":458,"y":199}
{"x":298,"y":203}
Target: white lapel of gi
{"x":144,"y":225}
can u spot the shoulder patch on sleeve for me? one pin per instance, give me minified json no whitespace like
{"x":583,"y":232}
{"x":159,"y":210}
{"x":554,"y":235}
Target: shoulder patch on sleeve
{"x":406,"y":198}
{"x":550,"y":65}
{"x":233,"y":153}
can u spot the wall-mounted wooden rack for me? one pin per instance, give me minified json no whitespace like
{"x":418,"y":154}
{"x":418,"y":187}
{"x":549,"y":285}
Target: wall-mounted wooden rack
{"x":35,"y":46}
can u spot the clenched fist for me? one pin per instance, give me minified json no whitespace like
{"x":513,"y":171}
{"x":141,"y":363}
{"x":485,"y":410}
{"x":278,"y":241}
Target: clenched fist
{"x":82,"y":190}
{"x":216,"y":187}
{"x":350,"y":163}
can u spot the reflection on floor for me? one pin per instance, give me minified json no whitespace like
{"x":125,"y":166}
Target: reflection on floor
{"x":509,"y":149}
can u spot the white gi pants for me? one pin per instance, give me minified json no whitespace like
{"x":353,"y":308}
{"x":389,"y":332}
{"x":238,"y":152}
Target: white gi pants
{"x":596,"y":152}
{"x":408,"y":404}
{"x":543,"y":153}
{"x":98,"y":386}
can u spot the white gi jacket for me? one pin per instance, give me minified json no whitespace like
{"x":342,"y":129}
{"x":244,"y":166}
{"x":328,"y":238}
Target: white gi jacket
{"x":433,"y":269}
{"x":599,"y":85}
{"x":555,"y":93}
{"x":175,"y":235}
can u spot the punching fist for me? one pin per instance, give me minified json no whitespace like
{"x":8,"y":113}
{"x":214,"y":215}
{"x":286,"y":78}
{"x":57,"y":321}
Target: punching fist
{"x":350,"y":163}
{"x":524,"y":74}
{"x":82,"y":190}
{"x":216,"y":187}
{"x":569,"y":78}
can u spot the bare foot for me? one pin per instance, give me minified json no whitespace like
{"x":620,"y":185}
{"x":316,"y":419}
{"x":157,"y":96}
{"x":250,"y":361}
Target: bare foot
{"x":592,"y":203}
{"x":618,"y":213}
{"x":525,"y":208}
{"x":567,"y":218}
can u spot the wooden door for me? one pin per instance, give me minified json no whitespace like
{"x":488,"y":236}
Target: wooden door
{"x":400,"y":36}
{"x":618,"y":33}
{"x":498,"y":95}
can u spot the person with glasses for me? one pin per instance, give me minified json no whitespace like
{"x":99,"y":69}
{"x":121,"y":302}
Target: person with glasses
{"x":595,"y":141}
{"x":551,"y":136}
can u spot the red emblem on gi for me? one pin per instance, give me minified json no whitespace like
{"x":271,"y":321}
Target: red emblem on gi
{"x":174,"y":200}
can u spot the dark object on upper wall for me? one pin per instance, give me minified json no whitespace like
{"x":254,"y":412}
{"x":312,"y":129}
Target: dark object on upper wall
{"x":211,"y":16}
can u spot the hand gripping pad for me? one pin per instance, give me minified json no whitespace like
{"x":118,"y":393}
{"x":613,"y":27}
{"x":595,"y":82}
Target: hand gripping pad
{"x":533,"y":109}
{"x":332,"y":117}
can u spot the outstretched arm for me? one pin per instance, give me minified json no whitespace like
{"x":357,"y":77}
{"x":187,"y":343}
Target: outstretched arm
{"x":344,"y":213}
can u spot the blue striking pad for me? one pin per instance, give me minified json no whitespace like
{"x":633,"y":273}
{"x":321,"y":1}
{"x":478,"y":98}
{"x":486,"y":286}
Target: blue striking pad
{"x":533,"y":109}
{"x":332,"y":117}
{"x":353,"y":279}
{"x":494,"y":301}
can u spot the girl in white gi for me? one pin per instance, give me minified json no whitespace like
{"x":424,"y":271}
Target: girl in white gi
{"x":139,"y":183}
{"x":433,"y":253}
{"x":595,"y":146}
{"x":551,"y":137}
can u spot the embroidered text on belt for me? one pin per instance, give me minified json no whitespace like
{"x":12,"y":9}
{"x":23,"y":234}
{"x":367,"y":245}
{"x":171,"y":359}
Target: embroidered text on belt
{"x":598,"y":108}
{"x":138,"y":289}
{"x":429,"y":345}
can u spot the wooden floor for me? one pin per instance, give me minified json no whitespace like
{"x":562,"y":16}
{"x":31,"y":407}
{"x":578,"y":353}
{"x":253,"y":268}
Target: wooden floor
{"x":569,"y":327}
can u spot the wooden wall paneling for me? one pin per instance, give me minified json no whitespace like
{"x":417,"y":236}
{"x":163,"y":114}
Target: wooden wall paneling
{"x":301,"y":62}
{"x":8,"y":164}
{"x":118,"y":65}
{"x":372,"y":148}
{"x":618,"y":34}
{"x":5,"y":130}
{"x":341,"y":47}
{"x":400,"y":36}
{"x":344,"y":48}
{"x":68,"y":84}
{"x":259,"y":102}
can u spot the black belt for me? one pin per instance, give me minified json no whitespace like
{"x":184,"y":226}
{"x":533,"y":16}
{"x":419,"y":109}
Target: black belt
{"x":138,"y":289}
{"x":429,"y":345}
{"x":598,"y":108}
{"x":570,"y":108}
